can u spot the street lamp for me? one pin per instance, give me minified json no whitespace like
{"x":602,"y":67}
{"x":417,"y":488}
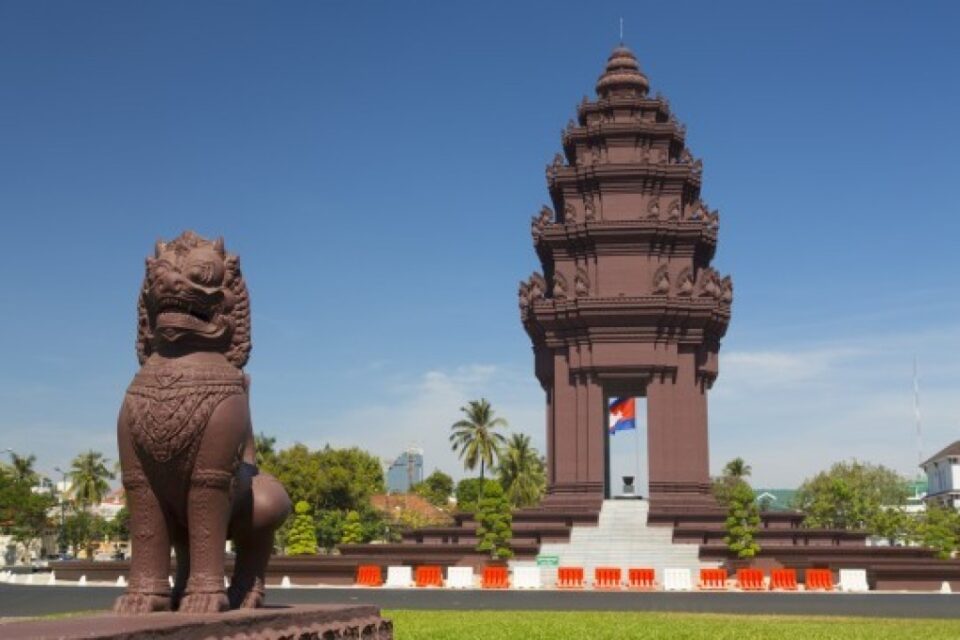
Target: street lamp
{"x":63,"y":530}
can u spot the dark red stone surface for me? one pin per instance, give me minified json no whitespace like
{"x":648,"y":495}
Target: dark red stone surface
{"x":279,"y":623}
{"x":627,"y":303}
{"x":186,"y":441}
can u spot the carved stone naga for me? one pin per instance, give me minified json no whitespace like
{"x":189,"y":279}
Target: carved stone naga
{"x":186,"y":441}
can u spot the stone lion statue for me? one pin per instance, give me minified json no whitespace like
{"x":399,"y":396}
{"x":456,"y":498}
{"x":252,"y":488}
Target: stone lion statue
{"x":186,"y":442}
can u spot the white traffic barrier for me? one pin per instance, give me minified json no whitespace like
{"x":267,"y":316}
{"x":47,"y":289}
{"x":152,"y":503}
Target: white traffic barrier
{"x":52,"y":579}
{"x":459,"y":578}
{"x":853,"y":580}
{"x":526,"y":578}
{"x":121,"y":581}
{"x":28,"y":579}
{"x":677,"y":580}
{"x":285,"y":583}
{"x":945,"y":587}
{"x":82,"y":582}
{"x":399,"y":577}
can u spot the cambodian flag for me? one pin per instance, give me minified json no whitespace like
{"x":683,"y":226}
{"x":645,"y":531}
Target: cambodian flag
{"x":623,"y":414}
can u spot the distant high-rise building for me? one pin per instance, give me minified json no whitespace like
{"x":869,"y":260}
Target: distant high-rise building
{"x":406,"y":471}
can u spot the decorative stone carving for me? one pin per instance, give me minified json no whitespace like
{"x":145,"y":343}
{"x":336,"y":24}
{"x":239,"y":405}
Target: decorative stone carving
{"x":697,"y":167}
{"x":581,"y":284}
{"x":726,"y":290}
{"x":531,"y":290}
{"x":697,"y":210}
{"x":569,"y":213}
{"x":673,"y":210}
{"x":708,"y":284}
{"x":685,"y":282}
{"x":661,"y":281}
{"x":539,"y":222}
{"x":685,"y":157}
{"x":589,"y":207}
{"x":653,"y":208}
{"x":559,"y":286}
{"x":186,"y":443}
{"x":537,"y":287}
{"x":713,"y":221}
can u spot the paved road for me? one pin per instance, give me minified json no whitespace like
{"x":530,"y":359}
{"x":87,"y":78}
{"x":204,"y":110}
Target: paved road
{"x":23,"y":600}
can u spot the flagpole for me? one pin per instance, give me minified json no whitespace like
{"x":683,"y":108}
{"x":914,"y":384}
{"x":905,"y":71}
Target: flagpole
{"x":636,"y":440}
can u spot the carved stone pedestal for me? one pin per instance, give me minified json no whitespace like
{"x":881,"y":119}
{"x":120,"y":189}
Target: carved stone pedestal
{"x":312,"y":622}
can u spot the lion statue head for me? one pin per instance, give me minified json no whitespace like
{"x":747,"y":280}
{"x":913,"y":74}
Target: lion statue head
{"x":194,"y":298}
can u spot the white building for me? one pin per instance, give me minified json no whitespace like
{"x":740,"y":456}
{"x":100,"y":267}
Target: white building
{"x":943,"y":476}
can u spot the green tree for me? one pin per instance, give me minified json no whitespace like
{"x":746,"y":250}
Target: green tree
{"x":939,"y":529}
{"x":341,"y":479}
{"x":743,"y":513}
{"x":119,"y":527}
{"x":737,"y":468}
{"x":850,"y":495}
{"x":494,"y":522}
{"x":436,"y":488}
{"x":329,"y":528}
{"x":352,"y":529}
{"x":83,"y":530}
{"x":88,"y":479}
{"x":475,"y":437}
{"x":302,"y":537}
{"x":521,"y":472}
{"x":23,"y":511}
{"x":22,"y":469}
{"x":468,"y":492}
{"x":265,"y":449}
{"x":893,"y":524}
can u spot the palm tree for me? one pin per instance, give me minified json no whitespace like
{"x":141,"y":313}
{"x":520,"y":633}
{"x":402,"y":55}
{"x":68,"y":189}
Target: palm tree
{"x":521,"y":472}
{"x":474,"y":436}
{"x":22,"y":468}
{"x":88,"y":478}
{"x":737,"y":468}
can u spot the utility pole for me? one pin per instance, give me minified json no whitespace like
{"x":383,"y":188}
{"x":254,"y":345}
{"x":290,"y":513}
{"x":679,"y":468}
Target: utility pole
{"x":63,"y":529}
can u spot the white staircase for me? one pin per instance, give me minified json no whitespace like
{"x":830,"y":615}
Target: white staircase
{"x":622,"y":539}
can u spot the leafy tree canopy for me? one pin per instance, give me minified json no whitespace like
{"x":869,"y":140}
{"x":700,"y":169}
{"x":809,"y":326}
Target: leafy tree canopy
{"x":743,"y":514}
{"x":436,"y":488}
{"x":521,"y":472}
{"x":23,"y":512}
{"x":468,"y":492}
{"x":338,"y":479}
{"x":494,"y":522}
{"x":302,"y":537}
{"x":850,"y":495}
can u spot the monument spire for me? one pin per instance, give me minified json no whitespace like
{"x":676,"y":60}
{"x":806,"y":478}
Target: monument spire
{"x":627,"y":304}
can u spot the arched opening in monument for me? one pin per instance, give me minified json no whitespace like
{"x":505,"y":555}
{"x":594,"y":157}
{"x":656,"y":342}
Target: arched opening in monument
{"x":626,"y":446}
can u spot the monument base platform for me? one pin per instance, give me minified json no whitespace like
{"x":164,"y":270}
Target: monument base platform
{"x":269,"y":623}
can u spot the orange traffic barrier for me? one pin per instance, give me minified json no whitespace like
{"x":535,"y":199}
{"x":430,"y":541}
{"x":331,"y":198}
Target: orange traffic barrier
{"x":368,"y":575}
{"x":750,"y":579}
{"x":606,"y":578}
{"x":783,"y":580}
{"x":429,"y":576}
{"x":494,"y":578}
{"x":819,"y":580}
{"x":570,"y":577}
{"x":641,"y":579}
{"x":713,"y":578}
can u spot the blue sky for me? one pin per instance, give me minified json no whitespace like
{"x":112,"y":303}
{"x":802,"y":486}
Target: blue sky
{"x":376,"y":166}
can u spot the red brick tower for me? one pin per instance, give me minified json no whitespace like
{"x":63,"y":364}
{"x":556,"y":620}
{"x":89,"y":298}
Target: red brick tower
{"x":627,"y":303}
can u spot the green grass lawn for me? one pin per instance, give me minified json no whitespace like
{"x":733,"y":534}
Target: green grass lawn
{"x":529,"y":625}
